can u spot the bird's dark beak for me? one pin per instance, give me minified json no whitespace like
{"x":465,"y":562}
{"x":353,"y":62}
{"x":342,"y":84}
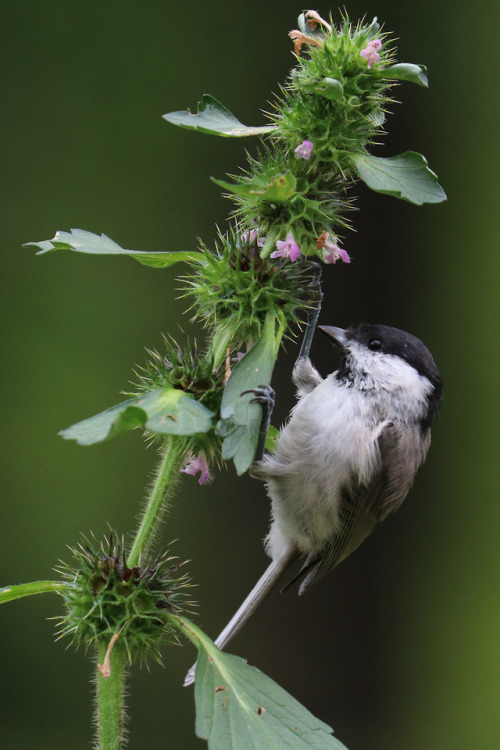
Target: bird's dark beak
{"x":339,"y":335}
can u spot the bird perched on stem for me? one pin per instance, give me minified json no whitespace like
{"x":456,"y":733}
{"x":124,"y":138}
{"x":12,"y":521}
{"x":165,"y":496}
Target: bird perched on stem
{"x":347,"y":456}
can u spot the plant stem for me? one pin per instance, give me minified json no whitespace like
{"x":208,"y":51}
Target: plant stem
{"x":110,"y":694}
{"x":161,"y":492}
{"x":112,"y":659}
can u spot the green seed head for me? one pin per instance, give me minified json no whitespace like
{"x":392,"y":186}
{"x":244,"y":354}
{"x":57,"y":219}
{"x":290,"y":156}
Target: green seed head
{"x":232,"y":288}
{"x":105,"y":597}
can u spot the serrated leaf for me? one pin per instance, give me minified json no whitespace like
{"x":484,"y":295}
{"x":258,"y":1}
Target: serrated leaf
{"x":239,"y":708}
{"x":164,"y":410}
{"x":407,"y":72}
{"x":241,"y":419}
{"x":213,"y":118}
{"x":405,"y":176}
{"x":81,"y":241}
{"x":279,"y":188}
{"x":10,"y":593}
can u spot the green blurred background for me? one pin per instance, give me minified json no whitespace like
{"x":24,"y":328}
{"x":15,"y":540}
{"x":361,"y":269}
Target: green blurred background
{"x":400,"y":647}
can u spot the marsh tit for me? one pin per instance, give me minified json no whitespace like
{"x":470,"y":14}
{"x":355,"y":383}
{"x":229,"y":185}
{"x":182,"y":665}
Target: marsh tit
{"x":348,"y":455}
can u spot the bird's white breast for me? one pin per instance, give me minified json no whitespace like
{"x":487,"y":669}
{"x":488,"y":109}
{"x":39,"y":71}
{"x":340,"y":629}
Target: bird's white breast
{"x":329,"y":442}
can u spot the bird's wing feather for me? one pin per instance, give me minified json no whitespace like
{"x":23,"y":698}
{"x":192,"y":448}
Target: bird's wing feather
{"x":364,"y":506}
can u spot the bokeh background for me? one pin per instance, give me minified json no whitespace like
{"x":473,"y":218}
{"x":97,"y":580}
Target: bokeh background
{"x":400,"y":647}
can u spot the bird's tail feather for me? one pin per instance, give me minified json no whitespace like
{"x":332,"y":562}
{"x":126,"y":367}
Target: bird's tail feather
{"x":262,"y":588}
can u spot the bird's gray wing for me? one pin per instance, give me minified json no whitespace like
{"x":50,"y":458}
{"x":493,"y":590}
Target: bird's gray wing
{"x":361,"y":508}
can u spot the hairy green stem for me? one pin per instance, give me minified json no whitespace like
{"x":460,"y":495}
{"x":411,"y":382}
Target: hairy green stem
{"x":112,"y":658}
{"x":110,"y":698}
{"x":161,"y":492}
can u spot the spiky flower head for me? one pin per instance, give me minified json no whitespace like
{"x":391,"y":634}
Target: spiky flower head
{"x":233,"y":288}
{"x":282,"y":194}
{"x":337,"y":95}
{"x":104,"y":597}
{"x":331,"y":109}
{"x":185,"y":367}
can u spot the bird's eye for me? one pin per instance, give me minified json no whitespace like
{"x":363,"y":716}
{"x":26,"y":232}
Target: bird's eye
{"x":375,"y":345}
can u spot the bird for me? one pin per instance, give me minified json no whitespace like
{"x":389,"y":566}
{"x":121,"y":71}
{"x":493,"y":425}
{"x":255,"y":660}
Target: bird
{"x":347,"y":456}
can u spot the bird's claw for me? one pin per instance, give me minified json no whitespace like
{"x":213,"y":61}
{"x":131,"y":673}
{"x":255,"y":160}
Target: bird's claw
{"x":263,"y":394}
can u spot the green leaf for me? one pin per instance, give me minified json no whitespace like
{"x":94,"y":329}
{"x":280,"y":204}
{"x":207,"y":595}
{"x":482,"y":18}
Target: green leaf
{"x":164,"y":410}
{"x":279,"y":188}
{"x":405,"y":176}
{"x":241,"y":419}
{"x":330,"y":88}
{"x":272,"y":435}
{"x":239,"y":708}
{"x":81,"y":241}
{"x":9,"y":593}
{"x":407,"y":72}
{"x":222,"y":337}
{"x":213,"y":118}
{"x":374,"y":29}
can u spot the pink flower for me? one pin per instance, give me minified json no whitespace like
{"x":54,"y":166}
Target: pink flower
{"x":370,"y":52}
{"x":304,"y":150}
{"x":193,"y":464}
{"x":287,"y":248}
{"x":252,"y":237}
{"x":332,"y":252}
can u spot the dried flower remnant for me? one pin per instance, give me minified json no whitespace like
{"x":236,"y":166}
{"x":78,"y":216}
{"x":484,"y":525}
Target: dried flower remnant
{"x":287,"y":248}
{"x":370,"y":53}
{"x":303,"y":151}
{"x":105,"y":667}
{"x":299,"y":38}
{"x":314,"y":18}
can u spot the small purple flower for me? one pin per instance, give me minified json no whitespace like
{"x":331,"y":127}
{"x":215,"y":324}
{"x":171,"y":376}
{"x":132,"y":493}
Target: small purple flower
{"x":304,"y":150}
{"x":287,"y":248}
{"x":252,"y":237}
{"x":193,"y":464}
{"x":332,"y":253}
{"x":370,"y":53}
